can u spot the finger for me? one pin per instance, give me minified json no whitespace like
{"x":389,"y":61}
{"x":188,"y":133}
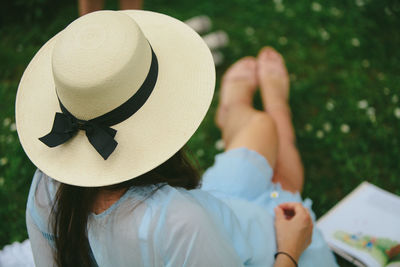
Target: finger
{"x":279,"y":214}
{"x":303,"y":216}
{"x":305,"y":212}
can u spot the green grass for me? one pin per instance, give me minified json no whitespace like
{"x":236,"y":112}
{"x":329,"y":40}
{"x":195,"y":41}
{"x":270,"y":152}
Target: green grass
{"x":338,"y":53}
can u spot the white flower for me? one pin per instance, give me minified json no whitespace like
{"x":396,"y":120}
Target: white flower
{"x":6,"y":122}
{"x":335,"y":11}
{"x":330,"y":105}
{"x":3,"y":161}
{"x":279,"y":7}
{"x":372,"y":118}
{"x":249,"y":31}
{"x":277,"y":2}
{"x":355,"y":42}
{"x":365,"y":63}
{"x":200,"y":152}
{"x":316,"y":7}
{"x":381,"y":76}
{"x":362,"y":104}
{"x":308,"y":127}
{"x":344,"y":128}
{"x":2,"y":181}
{"x":319,"y":134}
{"x":218,"y":57}
{"x":13,"y":127}
{"x":360,"y":3}
{"x":397,"y":112}
{"x":220,"y":144}
{"x":324,"y":34}
{"x":395,"y":99}
{"x":274,"y":194}
{"x":371,"y":111}
{"x":386,"y":91}
{"x":327,"y":127}
{"x":282,"y":40}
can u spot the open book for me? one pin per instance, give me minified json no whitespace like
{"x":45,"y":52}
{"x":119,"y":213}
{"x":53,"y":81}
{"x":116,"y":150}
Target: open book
{"x":364,"y":227}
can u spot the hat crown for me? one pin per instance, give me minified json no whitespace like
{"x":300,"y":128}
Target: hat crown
{"x":99,"y":62}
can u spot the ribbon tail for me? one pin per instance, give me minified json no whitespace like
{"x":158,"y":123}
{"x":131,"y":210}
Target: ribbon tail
{"x":58,"y":134}
{"x":102,"y":139}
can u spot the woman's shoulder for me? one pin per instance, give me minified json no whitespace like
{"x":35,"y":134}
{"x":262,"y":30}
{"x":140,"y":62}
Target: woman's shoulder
{"x":169,"y":199}
{"x":43,"y":188}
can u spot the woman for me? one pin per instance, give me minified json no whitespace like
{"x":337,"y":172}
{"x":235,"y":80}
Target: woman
{"x":113,"y":186}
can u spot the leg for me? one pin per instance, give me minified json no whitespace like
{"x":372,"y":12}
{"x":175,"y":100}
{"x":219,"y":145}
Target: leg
{"x":240,"y":123}
{"x":274,"y":82}
{"x":87,"y":6}
{"x":130,"y":4}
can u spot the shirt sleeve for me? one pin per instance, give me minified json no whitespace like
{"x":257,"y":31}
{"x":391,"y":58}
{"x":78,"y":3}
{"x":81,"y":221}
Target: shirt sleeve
{"x":37,"y":212}
{"x":189,"y":237}
{"x":42,"y":251}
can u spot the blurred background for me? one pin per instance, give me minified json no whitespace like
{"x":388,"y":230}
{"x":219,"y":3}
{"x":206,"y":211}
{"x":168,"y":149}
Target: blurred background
{"x":344,"y":63}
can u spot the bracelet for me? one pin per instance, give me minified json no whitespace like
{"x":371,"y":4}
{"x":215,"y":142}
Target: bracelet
{"x":287,"y":254}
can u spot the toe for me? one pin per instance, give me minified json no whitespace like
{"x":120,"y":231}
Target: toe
{"x":269,"y":53}
{"x":243,"y":68}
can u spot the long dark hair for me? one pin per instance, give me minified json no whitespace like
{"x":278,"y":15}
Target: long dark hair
{"x":73,"y":205}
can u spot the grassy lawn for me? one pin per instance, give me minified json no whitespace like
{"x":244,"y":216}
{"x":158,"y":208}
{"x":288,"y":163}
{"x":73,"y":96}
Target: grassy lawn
{"x":344,"y":61}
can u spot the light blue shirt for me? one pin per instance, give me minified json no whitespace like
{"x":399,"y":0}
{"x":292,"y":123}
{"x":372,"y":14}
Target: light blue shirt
{"x":229,"y":221}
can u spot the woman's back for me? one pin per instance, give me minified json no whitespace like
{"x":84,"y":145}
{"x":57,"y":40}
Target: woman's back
{"x":211,"y":226}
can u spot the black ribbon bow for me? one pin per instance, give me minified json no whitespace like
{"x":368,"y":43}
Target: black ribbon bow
{"x":98,"y":130}
{"x":66,"y":126}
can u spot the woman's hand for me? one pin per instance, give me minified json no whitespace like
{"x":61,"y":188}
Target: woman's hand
{"x":293,"y":225}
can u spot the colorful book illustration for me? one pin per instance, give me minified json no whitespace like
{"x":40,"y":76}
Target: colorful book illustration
{"x":383,"y":250}
{"x":364,"y":227}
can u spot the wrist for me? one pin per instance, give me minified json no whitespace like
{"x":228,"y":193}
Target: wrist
{"x":291,"y":251}
{"x":284,"y":257}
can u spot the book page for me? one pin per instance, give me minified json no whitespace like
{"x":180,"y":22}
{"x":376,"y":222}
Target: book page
{"x":366,"y":225}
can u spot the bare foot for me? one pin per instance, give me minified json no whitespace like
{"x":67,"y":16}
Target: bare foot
{"x":273,"y":77}
{"x":238,"y":86}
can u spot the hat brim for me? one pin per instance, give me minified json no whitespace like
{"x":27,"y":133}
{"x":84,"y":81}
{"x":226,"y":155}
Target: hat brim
{"x":171,"y":115}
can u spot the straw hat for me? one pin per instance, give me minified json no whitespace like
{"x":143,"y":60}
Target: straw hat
{"x":112,"y":96}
